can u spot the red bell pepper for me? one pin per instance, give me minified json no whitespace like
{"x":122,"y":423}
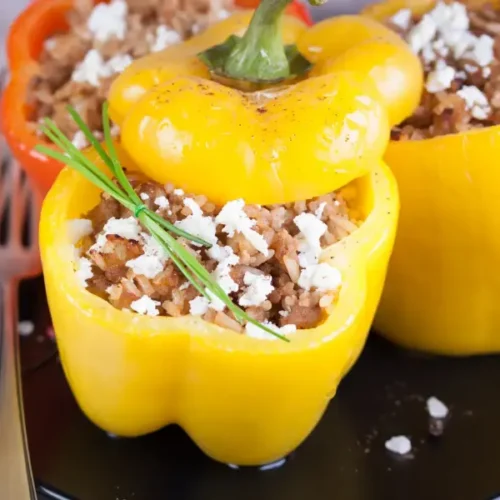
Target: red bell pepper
{"x":40,"y":20}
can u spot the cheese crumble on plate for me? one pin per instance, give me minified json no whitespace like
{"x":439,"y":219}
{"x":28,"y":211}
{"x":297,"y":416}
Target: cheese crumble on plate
{"x":399,"y":445}
{"x":436,"y":408}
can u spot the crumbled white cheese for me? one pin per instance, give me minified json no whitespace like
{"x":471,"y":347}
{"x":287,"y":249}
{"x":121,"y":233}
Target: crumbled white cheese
{"x":118,"y":63}
{"x":400,"y":445}
{"x":440,"y":79}
{"x":198,"y":224}
{"x":482,"y":51}
{"x":222,"y":14}
{"x":79,"y":140}
{"x":162,"y":202}
{"x":198,"y":306}
{"x":94,"y":68}
{"x":470,"y":68}
{"x":215,"y":302}
{"x":165,"y":36}
{"x":146,"y":306}
{"x":225,"y":281}
{"x":475,"y":101}
{"x":445,"y":29}
{"x":256,"y":332}
{"x":436,"y":408}
{"x":108,"y":20}
{"x":465,"y":43}
{"x":144,"y":196}
{"x":152,"y":262}
{"x":193,"y":206}
{"x":179,"y":192}
{"x":126,"y":228}
{"x":319,"y":211}
{"x":25,"y":328}
{"x":78,"y":229}
{"x":152,"y":247}
{"x":422,"y":34}
{"x":320,"y":276}
{"x":234,"y":219}
{"x":220,"y":253}
{"x":311,"y":230}
{"x":49,"y":44}
{"x":259,"y":287}
{"x":428,"y":54}
{"x":146,"y":265}
{"x":84,"y":271}
{"x":440,"y":48}
{"x":226,"y":258}
{"x":450,"y":17}
{"x":486,"y":72}
{"x":402,"y":19}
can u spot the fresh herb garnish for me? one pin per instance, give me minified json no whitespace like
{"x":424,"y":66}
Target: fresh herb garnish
{"x":124,"y":193}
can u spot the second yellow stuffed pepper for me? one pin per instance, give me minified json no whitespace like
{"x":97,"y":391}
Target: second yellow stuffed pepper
{"x":442,"y":290}
{"x":243,"y":400}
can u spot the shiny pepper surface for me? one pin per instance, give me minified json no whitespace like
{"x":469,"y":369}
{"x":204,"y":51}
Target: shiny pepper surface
{"x":243,"y":400}
{"x":442,"y":290}
{"x":287,"y":143}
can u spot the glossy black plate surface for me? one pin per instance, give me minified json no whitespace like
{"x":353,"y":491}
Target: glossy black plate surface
{"x":344,"y":459}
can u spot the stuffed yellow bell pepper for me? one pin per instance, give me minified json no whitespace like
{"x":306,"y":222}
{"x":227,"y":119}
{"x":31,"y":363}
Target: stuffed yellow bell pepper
{"x":243,"y":400}
{"x":442,"y":292}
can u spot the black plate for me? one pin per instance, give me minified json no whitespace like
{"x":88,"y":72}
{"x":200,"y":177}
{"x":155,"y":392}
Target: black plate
{"x":344,"y":458}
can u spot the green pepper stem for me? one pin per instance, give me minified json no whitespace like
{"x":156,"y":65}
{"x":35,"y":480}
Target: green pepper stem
{"x":259,"y":55}
{"x":257,"y":59}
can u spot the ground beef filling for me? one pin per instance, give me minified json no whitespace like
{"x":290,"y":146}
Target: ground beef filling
{"x":460,"y":50}
{"x":265,"y":257}
{"x":78,"y":67}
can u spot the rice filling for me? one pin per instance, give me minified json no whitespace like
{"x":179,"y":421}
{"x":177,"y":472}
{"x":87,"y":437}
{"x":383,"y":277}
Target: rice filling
{"x":77,"y":67}
{"x":266,"y":258}
{"x":459,"y":47}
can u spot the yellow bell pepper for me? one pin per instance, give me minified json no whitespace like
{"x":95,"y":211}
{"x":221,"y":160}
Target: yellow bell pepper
{"x":242,"y":400}
{"x":442,"y":291}
{"x":179,"y":125}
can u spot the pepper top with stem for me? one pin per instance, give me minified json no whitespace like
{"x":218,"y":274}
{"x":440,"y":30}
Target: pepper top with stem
{"x":182,"y":122}
{"x":259,"y":56}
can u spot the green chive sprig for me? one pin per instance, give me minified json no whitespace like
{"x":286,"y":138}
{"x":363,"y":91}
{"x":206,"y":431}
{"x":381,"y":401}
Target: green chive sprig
{"x":162,"y":230}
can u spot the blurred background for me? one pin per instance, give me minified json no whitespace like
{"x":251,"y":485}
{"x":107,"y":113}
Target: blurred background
{"x":10,"y":8}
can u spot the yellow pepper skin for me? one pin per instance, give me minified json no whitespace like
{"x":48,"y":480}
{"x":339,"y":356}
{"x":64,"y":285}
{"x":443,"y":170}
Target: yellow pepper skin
{"x":316,"y":136}
{"x":242,"y":400}
{"x":442,"y":291}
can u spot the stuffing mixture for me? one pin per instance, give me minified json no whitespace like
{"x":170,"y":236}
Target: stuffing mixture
{"x":79,"y":66}
{"x":264,"y":257}
{"x":460,"y":50}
